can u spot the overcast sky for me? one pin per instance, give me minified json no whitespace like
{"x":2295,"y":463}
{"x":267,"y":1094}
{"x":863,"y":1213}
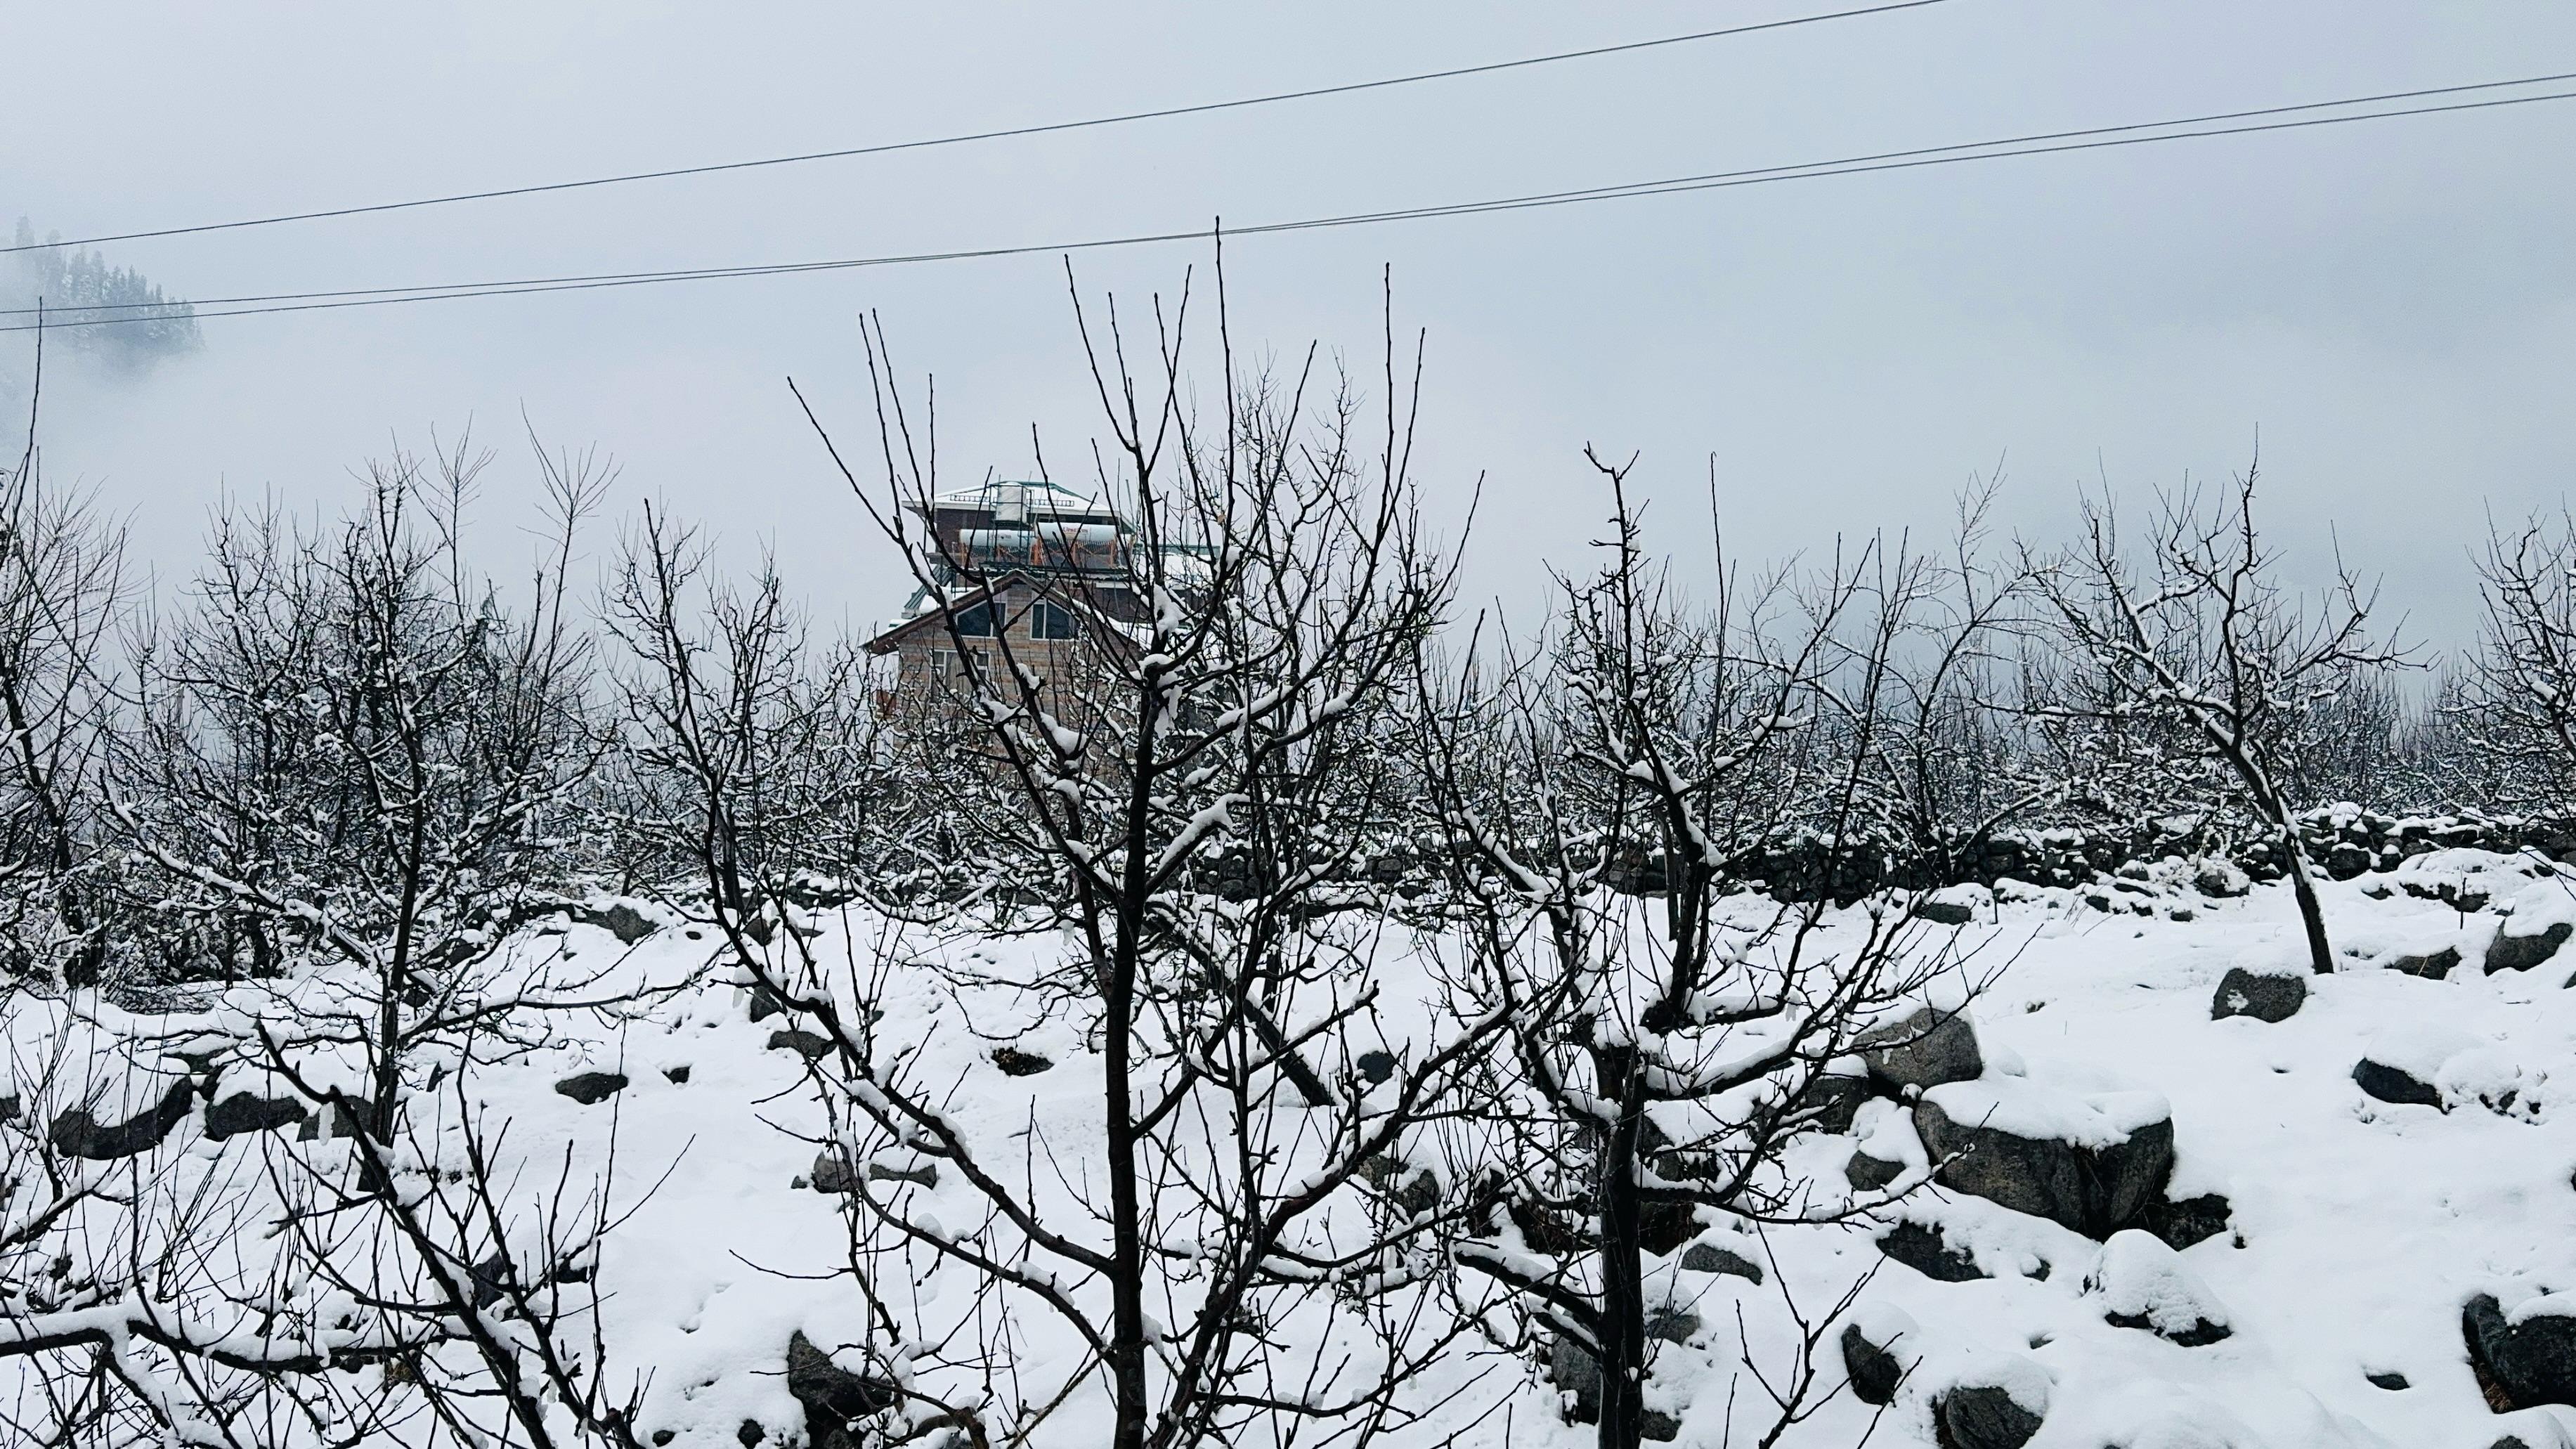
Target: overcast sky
{"x":2390,"y":304}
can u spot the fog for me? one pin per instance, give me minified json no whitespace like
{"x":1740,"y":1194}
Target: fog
{"x":2387,"y":305}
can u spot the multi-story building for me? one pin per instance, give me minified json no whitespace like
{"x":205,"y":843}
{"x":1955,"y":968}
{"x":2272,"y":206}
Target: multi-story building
{"x":1030,"y":572}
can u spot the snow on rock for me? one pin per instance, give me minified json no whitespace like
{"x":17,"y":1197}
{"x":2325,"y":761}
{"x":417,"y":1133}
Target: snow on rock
{"x":2539,"y":920}
{"x":1994,"y":1401}
{"x":2093,"y":1163}
{"x":1890,"y":1150}
{"x":2529,"y":1354}
{"x":1881,"y":1345}
{"x":1933,"y":1046}
{"x":2141,"y":1283}
{"x":2403,"y":1064}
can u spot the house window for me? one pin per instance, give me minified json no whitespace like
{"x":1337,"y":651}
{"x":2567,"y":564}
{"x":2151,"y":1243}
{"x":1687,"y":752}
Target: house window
{"x":1052,"y":621}
{"x":975,"y":621}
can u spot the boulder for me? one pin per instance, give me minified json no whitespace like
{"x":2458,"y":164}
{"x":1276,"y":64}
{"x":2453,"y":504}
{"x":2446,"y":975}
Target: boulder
{"x":2389,"y":1381}
{"x":2404,"y":1064}
{"x":249,"y":1112}
{"x":678,"y":1076}
{"x":2263,"y":997}
{"x":2139,"y":1282}
{"x":1672,"y":1324}
{"x":2183,"y":1222}
{"x":2529,"y":1355}
{"x":833,"y":1398}
{"x":1829,"y":1100}
{"x":1921,"y":1247}
{"x":1868,"y":1174}
{"x":621,"y":920}
{"x":1017,"y":1063}
{"x":1375,"y":1066}
{"x":1997,"y":1402}
{"x":1889,"y":1147}
{"x":1880,"y":1345}
{"x":1925,"y":1050}
{"x":832,"y":1174}
{"x":1710,"y":1258}
{"x":1571,"y":1368}
{"x":809,"y":1045}
{"x":592,"y":1088}
{"x":2431,"y":965}
{"x":2095,"y":1164}
{"x":2520,"y":950}
{"x":338,"y":1119}
{"x":75,"y":1133}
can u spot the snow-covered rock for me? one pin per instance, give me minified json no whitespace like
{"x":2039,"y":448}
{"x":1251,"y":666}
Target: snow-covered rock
{"x":1881,"y":1344}
{"x":2141,"y":1283}
{"x":1933,"y":1046}
{"x":2093,"y":1163}
{"x":2403,"y":1064}
{"x":1994,"y":1401}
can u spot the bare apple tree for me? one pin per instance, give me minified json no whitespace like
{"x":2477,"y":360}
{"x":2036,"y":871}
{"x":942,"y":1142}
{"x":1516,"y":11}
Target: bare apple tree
{"x":2201,"y":638}
{"x":1670,"y":1035}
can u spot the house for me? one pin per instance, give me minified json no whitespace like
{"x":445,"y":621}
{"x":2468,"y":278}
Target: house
{"x":1029,"y":572}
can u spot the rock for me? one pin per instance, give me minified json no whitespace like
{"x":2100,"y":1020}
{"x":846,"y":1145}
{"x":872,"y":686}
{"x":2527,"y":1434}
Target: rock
{"x":678,"y":1076}
{"x":2431,"y":965}
{"x":1869,"y":1174}
{"x":2404,"y":1063}
{"x":2139,"y":1282}
{"x":1570,"y":1367}
{"x":9,"y":1108}
{"x":1983,"y":1417}
{"x":1664,"y":1226}
{"x":621,"y":920}
{"x":339,"y":1119}
{"x":1830,"y":1100}
{"x":1925,"y":1050}
{"x":831,"y":1173}
{"x":1880,"y":1346}
{"x":592,"y":1088}
{"x":1922,"y":1248}
{"x":833,"y":1397}
{"x":2190,"y":1220}
{"x":2390,"y":1381}
{"x":806,"y":1044}
{"x":1419,"y":1195}
{"x":2389,"y":1084}
{"x":764,"y":1002}
{"x":77,"y":1134}
{"x":1375,"y":1066}
{"x":2094,"y":1164}
{"x":1672,"y":1325}
{"x":1955,"y":906}
{"x":1997,"y":1402}
{"x":1710,"y":1258}
{"x":920,"y":1174}
{"x":2530,"y":1356}
{"x":2520,"y":951}
{"x":1572,"y":1370}
{"x":749,"y":1434}
{"x":1017,"y":1063}
{"x":2220,"y":880}
{"x":2263,"y":997}
{"x":248,"y":1112}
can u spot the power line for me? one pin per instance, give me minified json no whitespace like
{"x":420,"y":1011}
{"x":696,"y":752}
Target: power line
{"x":2037,"y":144}
{"x":1005,"y":133}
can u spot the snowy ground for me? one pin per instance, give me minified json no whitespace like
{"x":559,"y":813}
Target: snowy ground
{"x":2358,"y":1227}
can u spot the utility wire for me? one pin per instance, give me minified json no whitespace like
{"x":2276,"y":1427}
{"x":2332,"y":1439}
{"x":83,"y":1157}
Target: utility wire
{"x":1005,"y":133}
{"x":2038,"y":144}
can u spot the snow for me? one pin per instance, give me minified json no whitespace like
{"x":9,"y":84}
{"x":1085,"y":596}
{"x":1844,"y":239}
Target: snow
{"x":2024,"y":1108}
{"x":2420,"y":1047}
{"x":2355,"y":1234}
{"x":2138,"y":1276}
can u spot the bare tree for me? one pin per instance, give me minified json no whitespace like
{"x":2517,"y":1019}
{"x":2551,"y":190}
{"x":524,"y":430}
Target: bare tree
{"x":1235,"y":1224}
{"x":2516,"y":701}
{"x":2204,"y":639}
{"x":1668,"y":1040}
{"x":352,"y":752}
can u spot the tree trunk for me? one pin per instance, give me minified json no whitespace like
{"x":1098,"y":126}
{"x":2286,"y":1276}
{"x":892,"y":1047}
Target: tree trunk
{"x":1622,"y":1362}
{"x":2311,"y":914}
